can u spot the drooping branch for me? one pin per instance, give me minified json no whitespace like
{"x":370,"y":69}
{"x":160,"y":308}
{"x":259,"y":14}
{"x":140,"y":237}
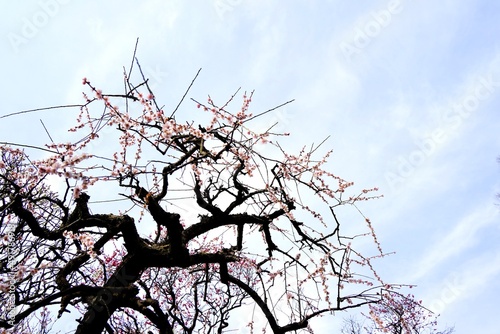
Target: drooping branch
{"x":195,"y":271}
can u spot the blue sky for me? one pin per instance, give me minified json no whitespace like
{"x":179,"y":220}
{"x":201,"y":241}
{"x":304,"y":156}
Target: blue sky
{"x":408,"y":91}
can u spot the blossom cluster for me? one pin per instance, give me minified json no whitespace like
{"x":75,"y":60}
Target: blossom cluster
{"x":86,"y":240}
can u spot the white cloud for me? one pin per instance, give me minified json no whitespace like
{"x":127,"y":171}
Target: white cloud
{"x":457,"y":241}
{"x":475,"y":277}
{"x":377,"y":107}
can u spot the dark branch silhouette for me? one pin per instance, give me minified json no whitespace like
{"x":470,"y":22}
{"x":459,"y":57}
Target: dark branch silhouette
{"x":257,"y":225}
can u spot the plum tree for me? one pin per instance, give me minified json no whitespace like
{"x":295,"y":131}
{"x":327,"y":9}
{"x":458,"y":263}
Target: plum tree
{"x":395,"y":314}
{"x":212,"y":217}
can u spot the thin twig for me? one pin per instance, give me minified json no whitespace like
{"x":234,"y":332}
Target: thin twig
{"x":145,"y":81}
{"x":40,"y":109}
{"x":187,"y":90}
{"x":313,"y":149}
{"x":267,"y":111}
{"x":133,"y":58}
{"x":28,"y":146}
{"x":47,"y":131}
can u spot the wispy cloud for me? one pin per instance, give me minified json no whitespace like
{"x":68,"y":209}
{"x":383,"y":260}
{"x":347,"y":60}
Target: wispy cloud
{"x":459,"y":240}
{"x":473,"y":278}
